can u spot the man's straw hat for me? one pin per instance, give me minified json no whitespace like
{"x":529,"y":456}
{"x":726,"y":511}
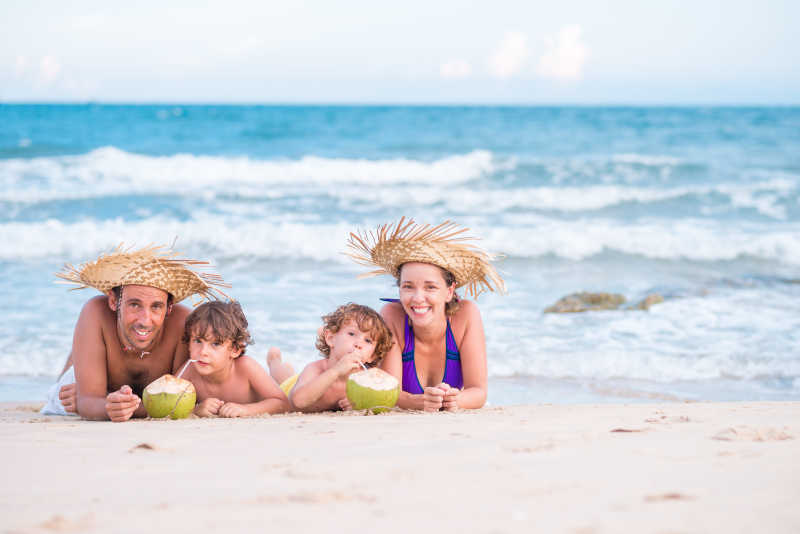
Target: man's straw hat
{"x":392,"y":245}
{"x":149,"y":266}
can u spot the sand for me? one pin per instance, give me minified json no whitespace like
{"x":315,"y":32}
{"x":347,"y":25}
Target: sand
{"x":660,"y":468}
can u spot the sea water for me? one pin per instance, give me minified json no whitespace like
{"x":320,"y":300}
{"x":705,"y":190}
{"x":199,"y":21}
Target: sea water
{"x":699,"y":205}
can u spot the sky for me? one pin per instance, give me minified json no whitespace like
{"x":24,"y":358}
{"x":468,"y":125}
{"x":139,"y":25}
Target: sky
{"x":616,"y":52}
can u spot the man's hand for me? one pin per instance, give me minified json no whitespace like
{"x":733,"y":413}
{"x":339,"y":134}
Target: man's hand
{"x":208,"y":407}
{"x":68,"y":395}
{"x":121,"y":404}
{"x":231,"y":409}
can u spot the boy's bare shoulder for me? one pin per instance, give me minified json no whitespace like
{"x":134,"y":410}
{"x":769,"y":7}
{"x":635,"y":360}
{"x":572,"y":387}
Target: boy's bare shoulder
{"x":247,"y":364}
{"x":317,"y":366}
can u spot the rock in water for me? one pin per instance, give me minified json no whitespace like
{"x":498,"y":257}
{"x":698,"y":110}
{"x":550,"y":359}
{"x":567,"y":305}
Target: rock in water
{"x":650,"y":300}
{"x":373,"y":390}
{"x":169,"y":396}
{"x":581,"y":302}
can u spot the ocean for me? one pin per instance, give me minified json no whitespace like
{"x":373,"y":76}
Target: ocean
{"x":698,"y":204}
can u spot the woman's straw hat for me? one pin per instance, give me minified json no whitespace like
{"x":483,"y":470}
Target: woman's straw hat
{"x":149,"y":266}
{"x":392,"y":245}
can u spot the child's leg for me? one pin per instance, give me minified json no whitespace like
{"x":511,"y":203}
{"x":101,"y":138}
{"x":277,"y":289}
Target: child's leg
{"x":278,"y":369}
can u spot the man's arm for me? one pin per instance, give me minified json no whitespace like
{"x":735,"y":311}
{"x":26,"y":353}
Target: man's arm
{"x":91,"y":367}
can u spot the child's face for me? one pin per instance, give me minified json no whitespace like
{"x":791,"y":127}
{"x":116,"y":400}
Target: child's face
{"x":348,"y":339}
{"x":211,"y":354}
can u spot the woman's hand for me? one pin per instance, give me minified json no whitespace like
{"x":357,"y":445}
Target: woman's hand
{"x":450,"y":400}
{"x":433,"y":398}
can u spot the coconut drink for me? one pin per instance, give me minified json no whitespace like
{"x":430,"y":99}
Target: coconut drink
{"x":373,"y":389}
{"x":169,"y":396}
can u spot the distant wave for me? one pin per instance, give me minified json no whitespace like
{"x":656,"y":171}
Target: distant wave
{"x":519,"y":237}
{"x":108,"y":171}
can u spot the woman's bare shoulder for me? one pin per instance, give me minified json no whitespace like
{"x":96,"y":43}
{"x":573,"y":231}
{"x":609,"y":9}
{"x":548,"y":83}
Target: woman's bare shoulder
{"x":393,"y":312}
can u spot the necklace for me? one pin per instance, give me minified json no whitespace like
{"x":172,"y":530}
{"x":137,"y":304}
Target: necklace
{"x":142,"y":354}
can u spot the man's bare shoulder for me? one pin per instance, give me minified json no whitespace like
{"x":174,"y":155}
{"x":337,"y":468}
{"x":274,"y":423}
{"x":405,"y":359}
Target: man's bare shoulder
{"x":175,"y":321}
{"x":96,"y":308}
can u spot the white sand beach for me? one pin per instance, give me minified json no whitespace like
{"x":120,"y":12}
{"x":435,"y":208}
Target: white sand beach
{"x":666,"y":468}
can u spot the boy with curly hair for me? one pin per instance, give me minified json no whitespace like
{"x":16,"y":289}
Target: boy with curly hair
{"x":228,"y":383}
{"x":352,"y":336}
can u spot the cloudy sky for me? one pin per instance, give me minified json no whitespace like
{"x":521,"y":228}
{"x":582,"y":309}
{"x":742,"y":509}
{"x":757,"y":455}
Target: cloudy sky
{"x":494,"y":51}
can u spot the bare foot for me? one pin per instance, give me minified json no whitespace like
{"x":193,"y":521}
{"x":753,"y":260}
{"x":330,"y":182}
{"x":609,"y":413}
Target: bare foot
{"x":278,"y":369}
{"x":273,"y":356}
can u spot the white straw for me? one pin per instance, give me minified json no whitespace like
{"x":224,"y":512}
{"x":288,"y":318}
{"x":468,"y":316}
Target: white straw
{"x":184,"y":368}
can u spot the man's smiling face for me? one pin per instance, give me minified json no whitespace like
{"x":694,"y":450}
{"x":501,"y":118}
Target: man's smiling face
{"x":141,"y":312}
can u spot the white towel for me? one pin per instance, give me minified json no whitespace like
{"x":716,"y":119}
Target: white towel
{"x":54,"y":406}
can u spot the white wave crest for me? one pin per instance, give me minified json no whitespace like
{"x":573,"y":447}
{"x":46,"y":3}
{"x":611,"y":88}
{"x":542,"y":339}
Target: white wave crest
{"x":690,"y":239}
{"x":522,"y":237}
{"x":109,"y":171}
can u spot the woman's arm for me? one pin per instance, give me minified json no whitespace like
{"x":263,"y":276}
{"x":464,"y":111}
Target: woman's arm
{"x":473,"y":359}
{"x":392,"y":363}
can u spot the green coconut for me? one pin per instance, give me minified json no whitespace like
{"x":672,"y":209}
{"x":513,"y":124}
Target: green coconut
{"x":169,"y":396}
{"x":373,"y":390}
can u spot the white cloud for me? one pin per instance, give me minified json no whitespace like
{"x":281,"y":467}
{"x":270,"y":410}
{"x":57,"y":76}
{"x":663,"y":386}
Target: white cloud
{"x":455,"y":69}
{"x":565,"y":55}
{"x":49,"y":69}
{"x":20,"y":66}
{"x":510,"y":56}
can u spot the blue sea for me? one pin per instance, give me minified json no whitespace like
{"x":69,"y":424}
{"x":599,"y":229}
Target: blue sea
{"x":698,"y":204}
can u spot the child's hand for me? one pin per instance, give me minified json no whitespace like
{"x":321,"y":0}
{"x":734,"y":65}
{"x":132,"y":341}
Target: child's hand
{"x":231,"y":409}
{"x":348,"y":362}
{"x":450,"y":401}
{"x":433,"y":397}
{"x":344,"y":404}
{"x":208,"y":407}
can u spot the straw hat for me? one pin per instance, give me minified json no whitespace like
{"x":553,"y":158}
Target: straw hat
{"x":392,"y":245}
{"x":149,"y":266}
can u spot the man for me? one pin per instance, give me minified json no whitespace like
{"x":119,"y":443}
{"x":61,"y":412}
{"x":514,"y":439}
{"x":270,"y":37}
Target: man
{"x":130,"y":336}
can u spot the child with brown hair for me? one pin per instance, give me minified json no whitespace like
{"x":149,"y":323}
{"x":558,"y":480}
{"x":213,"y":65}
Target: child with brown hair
{"x":352,"y":336}
{"x":228,"y":383}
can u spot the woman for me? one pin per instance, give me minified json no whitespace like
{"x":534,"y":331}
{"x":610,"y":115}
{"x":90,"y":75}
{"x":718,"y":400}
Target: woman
{"x":440,"y":354}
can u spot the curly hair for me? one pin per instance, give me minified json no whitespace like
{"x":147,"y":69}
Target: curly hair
{"x":451,"y":306}
{"x":367,"y":320}
{"x":226,"y":321}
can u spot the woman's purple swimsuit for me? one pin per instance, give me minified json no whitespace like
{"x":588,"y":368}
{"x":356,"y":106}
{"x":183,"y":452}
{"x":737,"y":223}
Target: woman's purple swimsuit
{"x":452,"y":367}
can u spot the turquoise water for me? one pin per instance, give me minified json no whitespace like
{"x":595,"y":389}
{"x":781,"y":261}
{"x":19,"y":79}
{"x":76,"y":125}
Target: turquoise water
{"x":699,"y":204}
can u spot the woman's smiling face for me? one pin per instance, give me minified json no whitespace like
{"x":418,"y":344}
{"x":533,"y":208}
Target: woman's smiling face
{"x":424,"y":292}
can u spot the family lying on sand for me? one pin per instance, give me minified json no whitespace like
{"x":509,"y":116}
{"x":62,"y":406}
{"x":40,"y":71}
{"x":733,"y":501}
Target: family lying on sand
{"x":429,"y":339}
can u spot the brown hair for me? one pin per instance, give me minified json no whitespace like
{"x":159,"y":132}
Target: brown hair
{"x":452,"y":306}
{"x":226,"y":321}
{"x":367,"y":320}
